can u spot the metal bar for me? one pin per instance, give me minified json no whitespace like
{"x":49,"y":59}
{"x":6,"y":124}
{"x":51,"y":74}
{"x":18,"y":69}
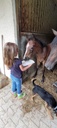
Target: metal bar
{"x":2,"y":53}
{"x":27,"y":33}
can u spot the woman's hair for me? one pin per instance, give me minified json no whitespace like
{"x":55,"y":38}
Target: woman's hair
{"x":10,"y":51}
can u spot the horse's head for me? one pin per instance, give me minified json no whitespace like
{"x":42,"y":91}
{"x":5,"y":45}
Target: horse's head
{"x":29,"y":49}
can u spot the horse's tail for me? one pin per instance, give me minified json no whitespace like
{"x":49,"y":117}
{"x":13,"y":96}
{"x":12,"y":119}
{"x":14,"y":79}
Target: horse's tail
{"x":32,"y":80}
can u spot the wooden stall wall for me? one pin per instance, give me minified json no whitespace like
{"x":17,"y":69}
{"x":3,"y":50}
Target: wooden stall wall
{"x":35,"y":16}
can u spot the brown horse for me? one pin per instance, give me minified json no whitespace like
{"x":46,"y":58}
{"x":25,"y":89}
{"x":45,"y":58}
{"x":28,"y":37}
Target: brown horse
{"x":41,"y":51}
{"x":44,"y":53}
{"x":52,"y":58}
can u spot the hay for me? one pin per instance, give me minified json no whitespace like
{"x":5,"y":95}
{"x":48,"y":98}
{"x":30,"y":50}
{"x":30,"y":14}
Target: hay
{"x":4,"y":80}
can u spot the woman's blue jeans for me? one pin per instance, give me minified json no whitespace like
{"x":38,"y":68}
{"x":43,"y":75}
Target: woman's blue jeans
{"x":16,"y":84}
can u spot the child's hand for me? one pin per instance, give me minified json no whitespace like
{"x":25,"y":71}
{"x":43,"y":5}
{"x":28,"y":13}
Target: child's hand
{"x":24,"y":68}
{"x":30,"y":65}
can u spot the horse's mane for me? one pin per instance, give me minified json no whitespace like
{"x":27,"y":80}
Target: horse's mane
{"x":34,"y":38}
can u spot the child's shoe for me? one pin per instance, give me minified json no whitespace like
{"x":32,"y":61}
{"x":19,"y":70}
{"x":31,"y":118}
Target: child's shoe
{"x":15,"y":95}
{"x":21,"y":95}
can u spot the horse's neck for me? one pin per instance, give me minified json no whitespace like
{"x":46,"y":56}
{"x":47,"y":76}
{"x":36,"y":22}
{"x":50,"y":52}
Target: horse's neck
{"x":43,"y":51}
{"x":47,"y":50}
{"x":38,"y":48}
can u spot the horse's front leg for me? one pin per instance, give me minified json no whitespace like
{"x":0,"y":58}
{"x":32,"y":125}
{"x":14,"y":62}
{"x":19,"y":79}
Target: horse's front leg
{"x":36,"y":68}
{"x":43,"y":76}
{"x":36,"y":71}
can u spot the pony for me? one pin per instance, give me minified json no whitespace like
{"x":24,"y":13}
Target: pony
{"x":41,"y":51}
{"x":35,"y":48}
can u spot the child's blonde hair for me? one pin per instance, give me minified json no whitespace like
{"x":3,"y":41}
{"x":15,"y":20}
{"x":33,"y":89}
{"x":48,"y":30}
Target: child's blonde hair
{"x":10,"y":51}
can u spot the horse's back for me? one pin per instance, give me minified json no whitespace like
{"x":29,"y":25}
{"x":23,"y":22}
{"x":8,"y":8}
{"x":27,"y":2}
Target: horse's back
{"x":54,"y":42}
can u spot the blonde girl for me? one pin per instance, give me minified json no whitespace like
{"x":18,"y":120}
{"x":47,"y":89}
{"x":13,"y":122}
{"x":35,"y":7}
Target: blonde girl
{"x":15,"y":65}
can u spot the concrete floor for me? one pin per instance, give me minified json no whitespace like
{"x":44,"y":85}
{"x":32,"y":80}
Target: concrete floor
{"x":15,"y":113}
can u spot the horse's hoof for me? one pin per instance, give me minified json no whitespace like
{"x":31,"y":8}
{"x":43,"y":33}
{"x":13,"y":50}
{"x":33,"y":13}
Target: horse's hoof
{"x":34,"y":75}
{"x":42,"y":81}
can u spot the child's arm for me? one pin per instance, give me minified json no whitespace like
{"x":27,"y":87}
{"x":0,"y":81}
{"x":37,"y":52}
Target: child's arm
{"x":25,"y":68}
